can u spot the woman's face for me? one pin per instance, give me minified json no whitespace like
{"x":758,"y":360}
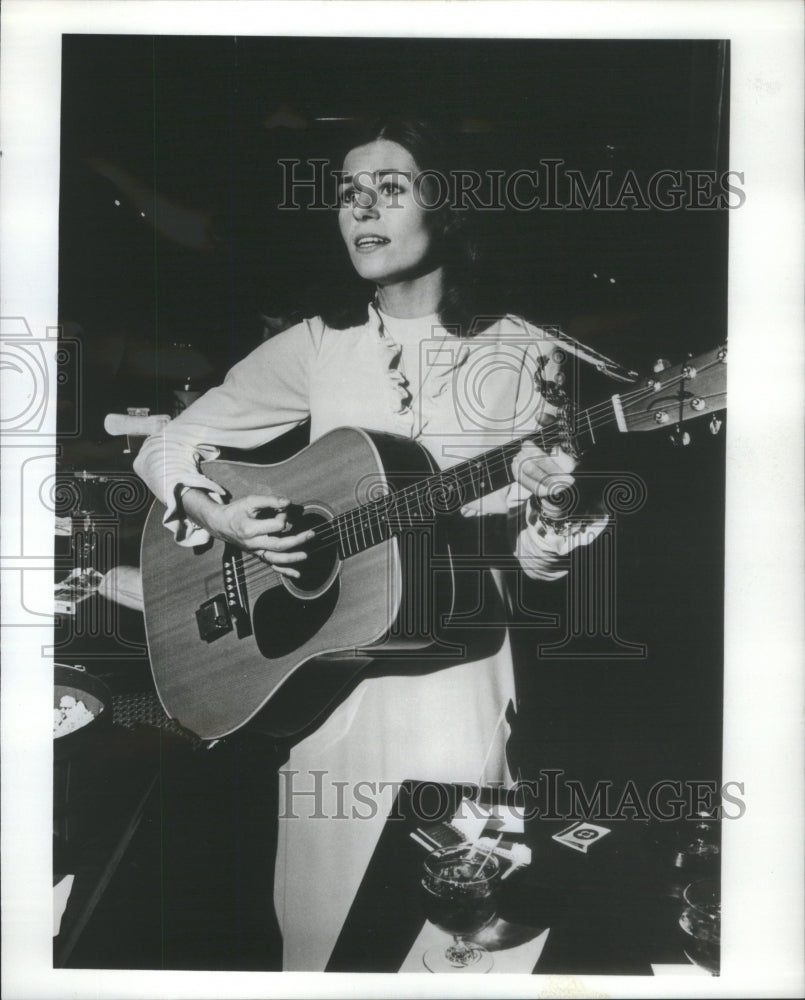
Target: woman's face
{"x":388,"y":233}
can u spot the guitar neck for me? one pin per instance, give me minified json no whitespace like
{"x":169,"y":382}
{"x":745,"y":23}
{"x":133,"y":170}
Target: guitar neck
{"x":445,"y":493}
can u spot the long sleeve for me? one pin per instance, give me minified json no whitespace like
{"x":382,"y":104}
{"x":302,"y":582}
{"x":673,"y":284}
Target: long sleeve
{"x":263,"y":395}
{"x":543,"y":553}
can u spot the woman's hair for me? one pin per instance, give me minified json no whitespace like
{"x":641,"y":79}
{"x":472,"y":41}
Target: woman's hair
{"x":435,"y":151}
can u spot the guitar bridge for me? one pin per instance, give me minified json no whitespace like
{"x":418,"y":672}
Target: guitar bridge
{"x":235,"y":591}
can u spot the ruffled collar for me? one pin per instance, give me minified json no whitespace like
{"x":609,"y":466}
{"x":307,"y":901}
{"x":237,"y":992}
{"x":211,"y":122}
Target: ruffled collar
{"x":436,"y":379}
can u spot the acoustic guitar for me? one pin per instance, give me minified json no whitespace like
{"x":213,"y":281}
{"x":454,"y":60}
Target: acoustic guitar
{"x":231,"y":640}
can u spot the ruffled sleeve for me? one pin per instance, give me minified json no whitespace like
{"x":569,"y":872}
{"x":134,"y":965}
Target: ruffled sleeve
{"x":542,"y":551}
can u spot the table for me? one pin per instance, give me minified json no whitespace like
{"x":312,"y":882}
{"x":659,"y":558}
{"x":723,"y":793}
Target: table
{"x":612,"y":911}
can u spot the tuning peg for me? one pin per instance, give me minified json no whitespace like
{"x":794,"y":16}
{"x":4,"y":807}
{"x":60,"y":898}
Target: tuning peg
{"x":661,"y":364}
{"x":679,"y":437}
{"x":715,"y":424}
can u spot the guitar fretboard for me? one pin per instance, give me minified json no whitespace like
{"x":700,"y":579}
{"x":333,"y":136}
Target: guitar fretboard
{"x":440,"y":494}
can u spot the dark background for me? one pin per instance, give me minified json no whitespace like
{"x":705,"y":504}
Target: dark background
{"x":203,"y":121}
{"x":200,"y":122}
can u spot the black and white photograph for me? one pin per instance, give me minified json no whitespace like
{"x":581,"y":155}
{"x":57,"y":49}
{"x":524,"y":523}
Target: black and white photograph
{"x":389,"y":524}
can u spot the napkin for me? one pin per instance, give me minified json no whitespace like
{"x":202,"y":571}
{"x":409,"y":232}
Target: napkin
{"x":61,"y":893}
{"x":522,"y":954}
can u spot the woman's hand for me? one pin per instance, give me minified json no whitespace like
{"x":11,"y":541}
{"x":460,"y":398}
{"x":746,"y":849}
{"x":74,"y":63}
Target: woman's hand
{"x":244,"y":523}
{"x":548,"y":477}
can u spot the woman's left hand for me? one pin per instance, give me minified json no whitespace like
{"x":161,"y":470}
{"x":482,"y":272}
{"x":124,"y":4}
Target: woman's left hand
{"x":549,"y":477}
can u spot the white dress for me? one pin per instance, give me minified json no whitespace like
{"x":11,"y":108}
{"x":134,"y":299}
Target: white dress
{"x":457,"y":398}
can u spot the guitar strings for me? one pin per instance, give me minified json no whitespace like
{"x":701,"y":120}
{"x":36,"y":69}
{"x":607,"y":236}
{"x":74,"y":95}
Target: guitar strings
{"x":371,"y":517}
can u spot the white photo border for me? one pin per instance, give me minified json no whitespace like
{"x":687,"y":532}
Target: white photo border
{"x":763,"y":733}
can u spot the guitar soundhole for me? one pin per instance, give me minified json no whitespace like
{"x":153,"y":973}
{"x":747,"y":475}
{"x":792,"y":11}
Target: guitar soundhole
{"x":321,"y":564}
{"x":285,"y":617}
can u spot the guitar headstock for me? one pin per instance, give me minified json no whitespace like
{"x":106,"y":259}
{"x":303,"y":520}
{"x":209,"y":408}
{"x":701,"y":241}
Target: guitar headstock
{"x":695,"y":388}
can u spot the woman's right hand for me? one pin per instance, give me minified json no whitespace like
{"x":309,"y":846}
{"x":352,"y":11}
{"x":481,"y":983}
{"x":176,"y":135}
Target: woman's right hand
{"x":256,"y":524}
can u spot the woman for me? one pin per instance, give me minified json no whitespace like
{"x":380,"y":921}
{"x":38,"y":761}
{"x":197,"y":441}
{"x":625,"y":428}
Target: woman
{"x":413,"y":364}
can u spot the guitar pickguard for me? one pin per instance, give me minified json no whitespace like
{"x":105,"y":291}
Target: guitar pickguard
{"x":282,"y":622}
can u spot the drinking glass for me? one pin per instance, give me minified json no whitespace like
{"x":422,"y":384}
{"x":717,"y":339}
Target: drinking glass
{"x":701,"y":924}
{"x":458,"y":887}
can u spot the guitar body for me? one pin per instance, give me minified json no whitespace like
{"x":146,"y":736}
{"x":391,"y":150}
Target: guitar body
{"x":378,"y":602}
